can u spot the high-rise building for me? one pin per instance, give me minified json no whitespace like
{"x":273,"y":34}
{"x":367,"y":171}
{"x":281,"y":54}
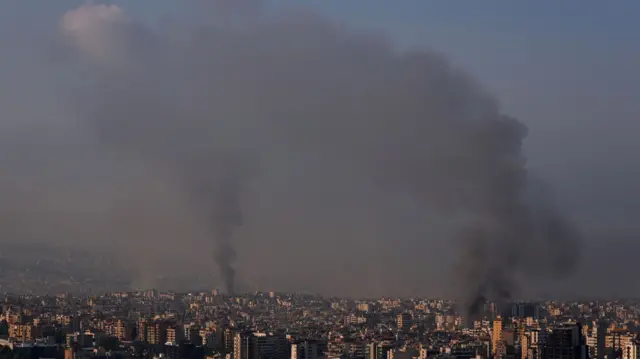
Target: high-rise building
{"x":174,"y":335}
{"x":208,"y":337}
{"x":123,"y":331}
{"x":262,"y":346}
{"x":426,"y":352}
{"x":496,"y":337}
{"x":596,"y":339}
{"x":308,"y":349}
{"x":283,"y":346}
{"x":404,"y":321}
{"x":525,"y":342}
{"x":21,"y":332}
{"x":529,"y":341}
{"x":228,"y":338}
{"x":241,"y":345}
{"x":371,"y":351}
{"x":272,"y":345}
{"x":600,"y":334}
{"x":142,"y":330}
{"x":157,"y":333}
{"x":619,"y":342}
{"x":564,"y":342}
{"x":355,"y":349}
{"x":191,"y":333}
{"x":630,"y":350}
{"x":377,"y":350}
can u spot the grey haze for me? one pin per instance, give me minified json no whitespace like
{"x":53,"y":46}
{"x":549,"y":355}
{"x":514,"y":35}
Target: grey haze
{"x":301,"y":155}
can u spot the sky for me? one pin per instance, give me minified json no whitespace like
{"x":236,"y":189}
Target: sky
{"x":539,"y":57}
{"x":568,"y":70}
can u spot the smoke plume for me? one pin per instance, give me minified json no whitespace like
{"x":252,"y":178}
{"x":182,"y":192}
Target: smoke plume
{"x":322,"y":158}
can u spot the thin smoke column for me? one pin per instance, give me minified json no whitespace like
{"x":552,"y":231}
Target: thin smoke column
{"x":222,"y":198}
{"x":152,"y":124}
{"x":332,"y":112}
{"x":228,"y":214}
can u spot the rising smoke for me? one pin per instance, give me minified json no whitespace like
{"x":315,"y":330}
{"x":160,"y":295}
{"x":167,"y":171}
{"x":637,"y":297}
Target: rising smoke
{"x":293,"y":135}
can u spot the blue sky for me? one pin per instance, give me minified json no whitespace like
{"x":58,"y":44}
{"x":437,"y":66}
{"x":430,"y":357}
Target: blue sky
{"x":568,"y":69}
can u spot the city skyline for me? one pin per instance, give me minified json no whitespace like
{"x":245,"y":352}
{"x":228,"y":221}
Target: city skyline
{"x":207,"y":325}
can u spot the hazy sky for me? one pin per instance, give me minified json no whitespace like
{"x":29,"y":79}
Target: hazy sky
{"x":569,"y":70}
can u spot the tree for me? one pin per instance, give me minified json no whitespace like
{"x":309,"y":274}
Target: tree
{"x":107,"y":342}
{"x":4,"y":328}
{"x":6,"y":353}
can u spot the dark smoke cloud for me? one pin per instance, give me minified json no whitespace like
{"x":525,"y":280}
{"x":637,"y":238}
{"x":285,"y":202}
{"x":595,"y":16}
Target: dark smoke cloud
{"x":320,"y":158}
